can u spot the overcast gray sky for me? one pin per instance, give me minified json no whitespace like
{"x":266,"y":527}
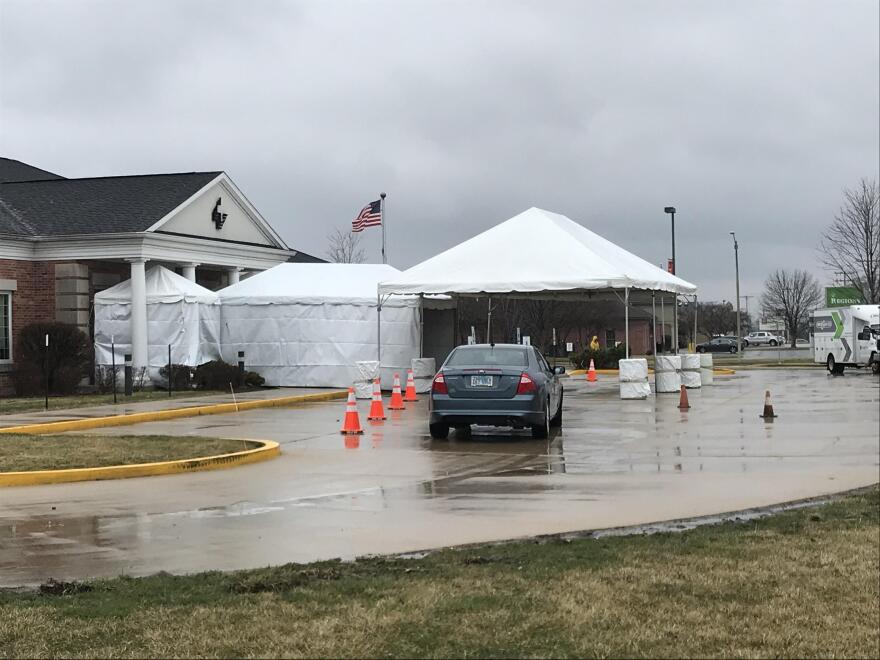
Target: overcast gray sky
{"x":748,"y":116}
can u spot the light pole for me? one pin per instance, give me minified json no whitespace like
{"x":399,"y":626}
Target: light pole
{"x":738,"y":324}
{"x":671,"y":211}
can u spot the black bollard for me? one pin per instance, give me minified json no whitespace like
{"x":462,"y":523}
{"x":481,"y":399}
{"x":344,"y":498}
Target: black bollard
{"x":129,"y":381}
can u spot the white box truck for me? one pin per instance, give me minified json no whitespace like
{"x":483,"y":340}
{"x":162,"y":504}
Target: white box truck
{"x":847,"y":337}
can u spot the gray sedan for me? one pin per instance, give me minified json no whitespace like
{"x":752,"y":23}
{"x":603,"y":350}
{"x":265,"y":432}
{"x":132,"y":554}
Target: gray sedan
{"x":496,"y":385}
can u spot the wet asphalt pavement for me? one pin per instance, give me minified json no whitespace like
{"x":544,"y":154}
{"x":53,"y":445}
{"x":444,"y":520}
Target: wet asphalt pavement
{"x":396,"y":490}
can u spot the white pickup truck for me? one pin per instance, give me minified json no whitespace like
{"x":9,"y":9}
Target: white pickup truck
{"x":847,"y":337}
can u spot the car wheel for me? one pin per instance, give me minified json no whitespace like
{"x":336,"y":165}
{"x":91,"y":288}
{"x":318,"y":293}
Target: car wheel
{"x":733,"y":349}
{"x":439,"y":431}
{"x":700,"y":349}
{"x":543,"y":430}
{"x":773,"y":342}
{"x":557,"y":418}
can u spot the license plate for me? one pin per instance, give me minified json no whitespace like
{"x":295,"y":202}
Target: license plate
{"x":481,"y":381}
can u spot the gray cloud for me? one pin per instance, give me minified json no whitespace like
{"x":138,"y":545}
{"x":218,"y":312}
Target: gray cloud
{"x":747,"y":116}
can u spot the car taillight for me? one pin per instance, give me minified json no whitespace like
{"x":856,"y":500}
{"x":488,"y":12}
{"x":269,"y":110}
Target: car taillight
{"x":526,"y":385}
{"x":439,"y":385}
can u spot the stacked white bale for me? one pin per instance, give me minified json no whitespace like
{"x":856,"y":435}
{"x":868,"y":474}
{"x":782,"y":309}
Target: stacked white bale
{"x":667,"y":373}
{"x":424,"y":370}
{"x":690,"y":370}
{"x":367,"y":372}
{"x":634,"y":379}
{"x":706,"y":374}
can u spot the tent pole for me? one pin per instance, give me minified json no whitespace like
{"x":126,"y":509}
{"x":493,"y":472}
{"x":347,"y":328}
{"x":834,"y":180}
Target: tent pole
{"x":663,"y":324}
{"x":421,"y":324}
{"x":653,"y":325}
{"x":675,"y":324}
{"x":489,"y":323}
{"x":695,"y":322}
{"x":626,"y":319}
{"x":379,"y":329}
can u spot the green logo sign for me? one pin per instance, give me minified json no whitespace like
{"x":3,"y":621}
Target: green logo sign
{"x":842,"y":296}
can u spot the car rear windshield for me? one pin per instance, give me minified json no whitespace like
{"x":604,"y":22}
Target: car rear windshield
{"x":487,"y":356}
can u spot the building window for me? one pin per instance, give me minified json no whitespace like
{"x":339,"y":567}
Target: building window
{"x":5,"y":326}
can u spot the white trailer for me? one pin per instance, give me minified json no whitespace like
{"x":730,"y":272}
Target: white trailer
{"x":847,"y":337}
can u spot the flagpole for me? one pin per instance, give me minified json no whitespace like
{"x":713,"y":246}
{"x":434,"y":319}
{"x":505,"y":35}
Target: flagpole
{"x":382,"y":213}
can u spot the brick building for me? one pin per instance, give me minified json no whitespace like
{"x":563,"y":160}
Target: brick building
{"x":62,"y":240}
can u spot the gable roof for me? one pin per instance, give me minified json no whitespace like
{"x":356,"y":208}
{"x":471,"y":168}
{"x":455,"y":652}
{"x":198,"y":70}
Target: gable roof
{"x":12,"y":170}
{"x":101,"y":205}
{"x":300,"y":258}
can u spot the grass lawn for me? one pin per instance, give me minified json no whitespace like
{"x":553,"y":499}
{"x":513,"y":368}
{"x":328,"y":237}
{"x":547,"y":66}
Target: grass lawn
{"x":11,"y":406}
{"x":20,"y":453}
{"x":800,"y":583}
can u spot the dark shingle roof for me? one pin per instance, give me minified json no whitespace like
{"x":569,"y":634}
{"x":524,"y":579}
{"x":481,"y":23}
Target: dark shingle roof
{"x":15,"y":170}
{"x":298,"y":258}
{"x":102,"y":205}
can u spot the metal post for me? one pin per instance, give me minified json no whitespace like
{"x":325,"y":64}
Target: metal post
{"x":695,"y":322}
{"x":626,"y":319}
{"x":379,"y":328}
{"x":129,"y":385}
{"x":675,"y":325}
{"x":113,"y":363}
{"x":489,"y":323}
{"x":46,"y":371}
{"x":170,"y":373}
{"x":382,"y":214}
{"x":663,"y":324}
{"x":738,"y":322}
{"x":653,"y":325}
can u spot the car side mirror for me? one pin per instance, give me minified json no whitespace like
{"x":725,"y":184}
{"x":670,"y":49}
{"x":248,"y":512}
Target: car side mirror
{"x":558,"y":370}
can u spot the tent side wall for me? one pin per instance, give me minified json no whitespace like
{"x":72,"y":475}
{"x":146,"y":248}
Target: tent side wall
{"x":178,"y":324}
{"x":317,"y":345}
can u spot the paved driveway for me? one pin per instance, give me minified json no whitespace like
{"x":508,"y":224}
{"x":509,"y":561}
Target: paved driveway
{"x":395,"y":490}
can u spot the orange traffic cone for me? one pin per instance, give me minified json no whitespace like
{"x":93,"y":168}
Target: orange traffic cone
{"x":377,"y":410}
{"x":410,"y":387}
{"x":591,"y":373}
{"x":683,"y":399}
{"x":768,"y":407}
{"x":396,"y":397}
{"x":351,"y":424}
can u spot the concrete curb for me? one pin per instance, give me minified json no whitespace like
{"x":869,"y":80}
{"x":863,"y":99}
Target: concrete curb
{"x":174,"y":413}
{"x":267,"y":449}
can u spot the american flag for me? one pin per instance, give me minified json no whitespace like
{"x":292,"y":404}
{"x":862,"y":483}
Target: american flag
{"x":370,"y":216}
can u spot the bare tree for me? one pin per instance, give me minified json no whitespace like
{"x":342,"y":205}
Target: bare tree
{"x":345,"y":248}
{"x":791,"y":295}
{"x":851,"y":245}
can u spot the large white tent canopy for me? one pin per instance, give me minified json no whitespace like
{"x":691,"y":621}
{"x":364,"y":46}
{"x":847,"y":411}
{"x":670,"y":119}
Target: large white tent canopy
{"x":536,"y":251}
{"x":179,"y":312}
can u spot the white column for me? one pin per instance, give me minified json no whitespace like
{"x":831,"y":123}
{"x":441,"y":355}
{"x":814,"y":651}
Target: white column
{"x":189,"y":271}
{"x":139,"y":356}
{"x":233,"y":274}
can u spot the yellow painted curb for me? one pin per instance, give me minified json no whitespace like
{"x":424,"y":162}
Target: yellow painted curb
{"x":174,"y":413}
{"x":267,"y":450}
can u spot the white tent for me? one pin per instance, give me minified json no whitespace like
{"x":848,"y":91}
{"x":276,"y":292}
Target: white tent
{"x":535,"y":251}
{"x":306,"y":325}
{"x":179,"y":312}
{"x":543,"y":254}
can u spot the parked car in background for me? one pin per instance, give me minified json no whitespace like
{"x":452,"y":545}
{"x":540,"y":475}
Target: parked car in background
{"x":762,"y":338}
{"x":496,"y":385}
{"x":718,"y":345}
